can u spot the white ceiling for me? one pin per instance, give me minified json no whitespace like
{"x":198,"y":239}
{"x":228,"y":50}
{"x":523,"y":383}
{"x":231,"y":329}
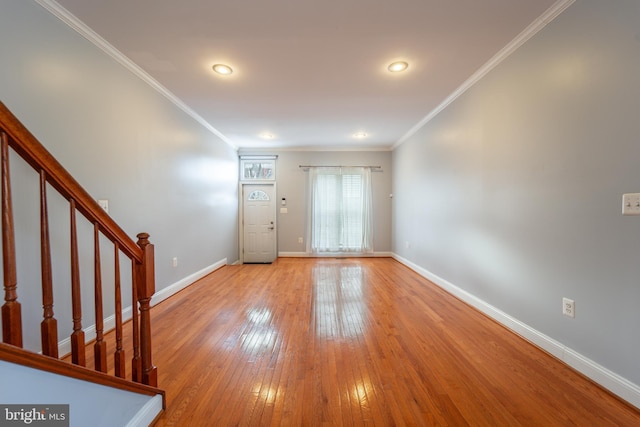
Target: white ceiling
{"x":310,"y":72}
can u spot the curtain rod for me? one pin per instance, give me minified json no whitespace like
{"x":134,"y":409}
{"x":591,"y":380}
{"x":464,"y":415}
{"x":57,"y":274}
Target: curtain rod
{"x":338,"y":166}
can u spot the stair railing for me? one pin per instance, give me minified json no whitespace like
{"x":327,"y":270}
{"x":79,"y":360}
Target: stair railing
{"x":14,"y":136}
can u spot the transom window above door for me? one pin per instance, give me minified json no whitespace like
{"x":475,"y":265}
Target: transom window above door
{"x":257,"y":168}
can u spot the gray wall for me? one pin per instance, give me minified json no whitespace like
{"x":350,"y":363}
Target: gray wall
{"x":513,"y":192}
{"x":161,"y":171}
{"x":292,"y":184}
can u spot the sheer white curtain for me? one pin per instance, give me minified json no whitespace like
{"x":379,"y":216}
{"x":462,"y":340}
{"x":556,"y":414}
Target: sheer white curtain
{"x":340,"y":212}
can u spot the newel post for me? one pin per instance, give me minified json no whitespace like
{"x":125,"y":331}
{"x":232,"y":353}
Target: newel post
{"x":146,"y":288}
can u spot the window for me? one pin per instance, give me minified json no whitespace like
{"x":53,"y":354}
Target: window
{"x":257,"y":169}
{"x":340,"y":211}
{"x":258,"y":195}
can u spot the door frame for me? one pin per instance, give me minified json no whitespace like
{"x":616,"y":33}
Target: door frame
{"x":241,"y":188}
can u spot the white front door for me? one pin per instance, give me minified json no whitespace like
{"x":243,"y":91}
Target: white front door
{"x":259,"y":223}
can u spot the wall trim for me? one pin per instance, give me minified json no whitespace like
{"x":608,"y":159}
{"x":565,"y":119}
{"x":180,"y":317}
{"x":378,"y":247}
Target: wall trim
{"x":64,"y":346}
{"x":613,"y":382}
{"x":85,"y":31}
{"x":549,"y":15}
{"x":171,"y":290}
{"x":309,"y":255}
{"x":314,"y":148}
{"x":148,"y":413}
{"x":294,"y":255}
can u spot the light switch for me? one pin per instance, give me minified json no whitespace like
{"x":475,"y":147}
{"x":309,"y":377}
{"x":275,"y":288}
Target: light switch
{"x":631,"y":204}
{"x":284,"y":210}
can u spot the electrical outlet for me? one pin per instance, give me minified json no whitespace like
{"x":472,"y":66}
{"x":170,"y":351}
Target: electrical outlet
{"x":300,"y":240}
{"x":568,"y":307}
{"x":631,"y":204}
{"x":175,"y":261}
{"x":104,"y":204}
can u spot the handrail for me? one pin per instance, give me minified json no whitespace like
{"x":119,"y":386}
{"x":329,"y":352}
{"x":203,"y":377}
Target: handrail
{"x":141,"y":253}
{"x":25,"y":144}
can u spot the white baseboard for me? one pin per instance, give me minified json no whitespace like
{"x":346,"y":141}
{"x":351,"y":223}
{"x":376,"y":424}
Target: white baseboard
{"x":148,"y":413}
{"x":64,"y":346}
{"x":383,"y":254}
{"x":294,"y":254}
{"x":310,"y":255}
{"x":170,"y":290}
{"x":613,"y":382}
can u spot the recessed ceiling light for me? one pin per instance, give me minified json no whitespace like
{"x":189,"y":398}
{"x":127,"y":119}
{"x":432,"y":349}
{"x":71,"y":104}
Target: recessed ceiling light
{"x":222,"y":69}
{"x":396,"y":67}
{"x":267,"y":135}
{"x":360,"y":135}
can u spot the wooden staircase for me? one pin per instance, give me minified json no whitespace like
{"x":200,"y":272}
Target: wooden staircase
{"x":15,"y":138}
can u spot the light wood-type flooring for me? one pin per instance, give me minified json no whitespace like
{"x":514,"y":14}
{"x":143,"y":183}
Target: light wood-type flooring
{"x":360,"y":341}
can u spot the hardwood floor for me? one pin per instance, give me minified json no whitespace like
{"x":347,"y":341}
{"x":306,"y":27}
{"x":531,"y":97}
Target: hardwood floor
{"x":312,"y":342}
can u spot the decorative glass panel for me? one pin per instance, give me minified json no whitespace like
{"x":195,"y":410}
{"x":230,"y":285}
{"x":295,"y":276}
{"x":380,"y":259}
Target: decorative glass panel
{"x":258,"y":195}
{"x":258,"y":170}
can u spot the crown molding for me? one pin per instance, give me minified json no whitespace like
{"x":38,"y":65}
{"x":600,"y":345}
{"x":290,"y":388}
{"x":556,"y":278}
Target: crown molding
{"x":312,"y":148}
{"x":549,"y":15}
{"x":81,"y":28}
{"x":74,"y":23}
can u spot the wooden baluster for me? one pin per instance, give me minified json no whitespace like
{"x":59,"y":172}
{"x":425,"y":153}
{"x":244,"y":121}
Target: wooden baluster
{"x":11,"y":310}
{"x":49,"y":325}
{"x":146,"y":289}
{"x":100,"y":346}
{"x":77,"y":337}
{"x":119,"y":355}
{"x":136,"y":361}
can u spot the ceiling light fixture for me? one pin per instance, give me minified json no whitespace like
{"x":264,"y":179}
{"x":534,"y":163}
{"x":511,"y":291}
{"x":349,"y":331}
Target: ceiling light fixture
{"x":222,"y":69}
{"x":267,"y":135}
{"x":396,"y":67}
{"x":360,"y":135}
